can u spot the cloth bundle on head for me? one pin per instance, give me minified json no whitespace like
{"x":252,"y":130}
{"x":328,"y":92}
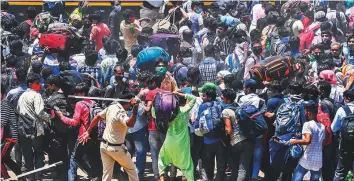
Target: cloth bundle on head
{"x":328,"y":75}
{"x":223,"y":73}
{"x":319,"y":15}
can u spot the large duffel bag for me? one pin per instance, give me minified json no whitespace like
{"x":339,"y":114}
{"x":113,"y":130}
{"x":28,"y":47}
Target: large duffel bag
{"x":54,"y":42}
{"x":166,"y":106}
{"x":169,"y":42}
{"x":147,"y":57}
{"x":272,"y":68}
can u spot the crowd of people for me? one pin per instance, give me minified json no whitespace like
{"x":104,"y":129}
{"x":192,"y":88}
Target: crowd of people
{"x":227,"y":116}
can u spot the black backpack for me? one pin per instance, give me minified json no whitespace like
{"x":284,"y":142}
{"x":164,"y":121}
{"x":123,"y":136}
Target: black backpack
{"x":8,"y":21}
{"x":347,"y":130}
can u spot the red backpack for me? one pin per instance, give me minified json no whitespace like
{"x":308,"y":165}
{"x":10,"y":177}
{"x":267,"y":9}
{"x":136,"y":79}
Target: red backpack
{"x":307,"y":36}
{"x":325,"y":119}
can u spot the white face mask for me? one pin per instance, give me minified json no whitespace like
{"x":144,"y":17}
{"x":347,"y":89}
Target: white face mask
{"x":187,"y":60}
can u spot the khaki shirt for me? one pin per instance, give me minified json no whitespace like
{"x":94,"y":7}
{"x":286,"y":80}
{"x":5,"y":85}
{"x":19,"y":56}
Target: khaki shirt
{"x":116,"y":127}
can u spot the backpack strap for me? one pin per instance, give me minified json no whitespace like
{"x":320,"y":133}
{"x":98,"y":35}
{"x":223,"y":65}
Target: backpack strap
{"x":89,"y":107}
{"x":347,"y":110}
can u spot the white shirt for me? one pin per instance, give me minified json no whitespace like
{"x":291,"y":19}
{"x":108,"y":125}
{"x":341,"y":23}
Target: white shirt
{"x":250,"y":99}
{"x":312,"y":157}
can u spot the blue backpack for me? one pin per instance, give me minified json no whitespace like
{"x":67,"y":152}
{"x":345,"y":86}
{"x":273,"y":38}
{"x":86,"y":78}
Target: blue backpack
{"x":210,"y":122}
{"x":251,"y":120}
{"x":288,"y":120}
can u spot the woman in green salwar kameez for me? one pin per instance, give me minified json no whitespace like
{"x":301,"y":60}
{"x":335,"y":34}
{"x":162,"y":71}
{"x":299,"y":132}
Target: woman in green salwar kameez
{"x":176,"y":148}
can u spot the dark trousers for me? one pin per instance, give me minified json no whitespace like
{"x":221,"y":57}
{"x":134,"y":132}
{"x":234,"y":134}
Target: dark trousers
{"x":6,"y":147}
{"x":196,"y":147}
{"x":58,"y":151}
{"x":92,"y":151}
{"x":210,"y":151}
{"x":345,"y":161}
{"x":327,"y":168}
{"x":32,"y":150}
{"x":241,"y":155}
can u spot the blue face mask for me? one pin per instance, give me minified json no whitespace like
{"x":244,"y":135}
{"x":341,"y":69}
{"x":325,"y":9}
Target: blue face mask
{"x":199,"y":11}
{"x":299,"y":16}
{"x":117,"y":8}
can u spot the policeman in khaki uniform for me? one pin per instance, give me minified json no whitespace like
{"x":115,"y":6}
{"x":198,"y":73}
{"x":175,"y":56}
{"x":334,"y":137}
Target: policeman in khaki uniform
{"x":112,"y":147}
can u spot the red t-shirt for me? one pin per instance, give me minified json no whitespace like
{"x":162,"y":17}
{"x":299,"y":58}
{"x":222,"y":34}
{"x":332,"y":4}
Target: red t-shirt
{"x":150,"y":97}
{"x":98,"y":32}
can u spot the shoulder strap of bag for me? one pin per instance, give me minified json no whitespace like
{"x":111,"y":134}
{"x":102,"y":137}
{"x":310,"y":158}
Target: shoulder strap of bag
{"x":89,"y":107}
{"x":347,"y":110}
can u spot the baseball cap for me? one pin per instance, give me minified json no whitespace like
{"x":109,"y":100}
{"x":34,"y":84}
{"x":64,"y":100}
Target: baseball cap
{"x":207,"y":86}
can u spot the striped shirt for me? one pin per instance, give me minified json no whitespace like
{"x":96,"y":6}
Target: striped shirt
{"x":8,"y":120}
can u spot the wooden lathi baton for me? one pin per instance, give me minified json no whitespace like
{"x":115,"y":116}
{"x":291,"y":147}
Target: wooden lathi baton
{"x":99,"y":98}
{"x":35,"y":171}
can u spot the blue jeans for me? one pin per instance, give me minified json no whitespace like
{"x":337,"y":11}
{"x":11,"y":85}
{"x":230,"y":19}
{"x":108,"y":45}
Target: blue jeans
{"x":300,"y":172}
{"x":92,"y":152}
{"x":257,"y":157}
{"x":137,"y":141}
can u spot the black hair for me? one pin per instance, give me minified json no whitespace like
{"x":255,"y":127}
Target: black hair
{"x":156,"y":79}
{"x":349,"y":94}
{"x":111,"y":46}
{"x":87,"y":16}
{"x":272,"y":17}
{"x":193,"y":73}
{"x":160,"y":60}
{"x":318,"y":46}
{"x":64,"y":65}
{"x":237,"y":85}
{"x":53,"y":80}
{"x":31,"y":12}
{"x":293,"y":11}
{"x":4,"y":5}
{"x":126,"y":95}
{"x":211,"y":93}
{"x":209,"y":50}
{"x":127,"y":14}
{"x":96,"y":92}
{"x":187,"y":35}
{"x":37,"y":66}
{"x":324,"y":88}
{"x":302,"y":59}
{"x":143,"y":38}
{"x":303,"y":6}
{"x":148,"y":30}
{"x":223,"y":25}
{"x":144,"y":76}
{"x":91,"y":56}
{"x":196,"y":3}
{"x":294,"y":43}
{"x":77,"y":23}
{"x":229,"y":94}
{"x":21,"y":74}
{"x":267,"y":8}
{"x":96,"y":15}
{"x":325,"y":63}
{"x":326,"y":26}
{"x":312,"y":108}
{"x":32,"y":77}
{"x":187,"y":23}
{"x":136,"y":49}
{"x":118,"y":65}
{"x":310,"y":92}
{"x":283,"y":32}
{"x":261,"y":23}
{"x":82,"y":88}
{"x":295,"y":88}
{"x":229,"y":79}
{"x":206,"y":21}
{"x":332,"y":5}
{"x":122,"y":54}
{"x":16,"y":45}
{"x":213,"y":25}
{"x":46,"y":72}
{"x":255,"y":34}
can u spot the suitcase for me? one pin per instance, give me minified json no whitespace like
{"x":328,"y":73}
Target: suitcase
{"x":55,"y":42}
{"x":272,"y":68}
{"x":169,"y":42}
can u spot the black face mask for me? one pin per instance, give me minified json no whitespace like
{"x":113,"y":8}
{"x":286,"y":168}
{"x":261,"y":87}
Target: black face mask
{"x":257,"y":50}
{"x":87,"y":25}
